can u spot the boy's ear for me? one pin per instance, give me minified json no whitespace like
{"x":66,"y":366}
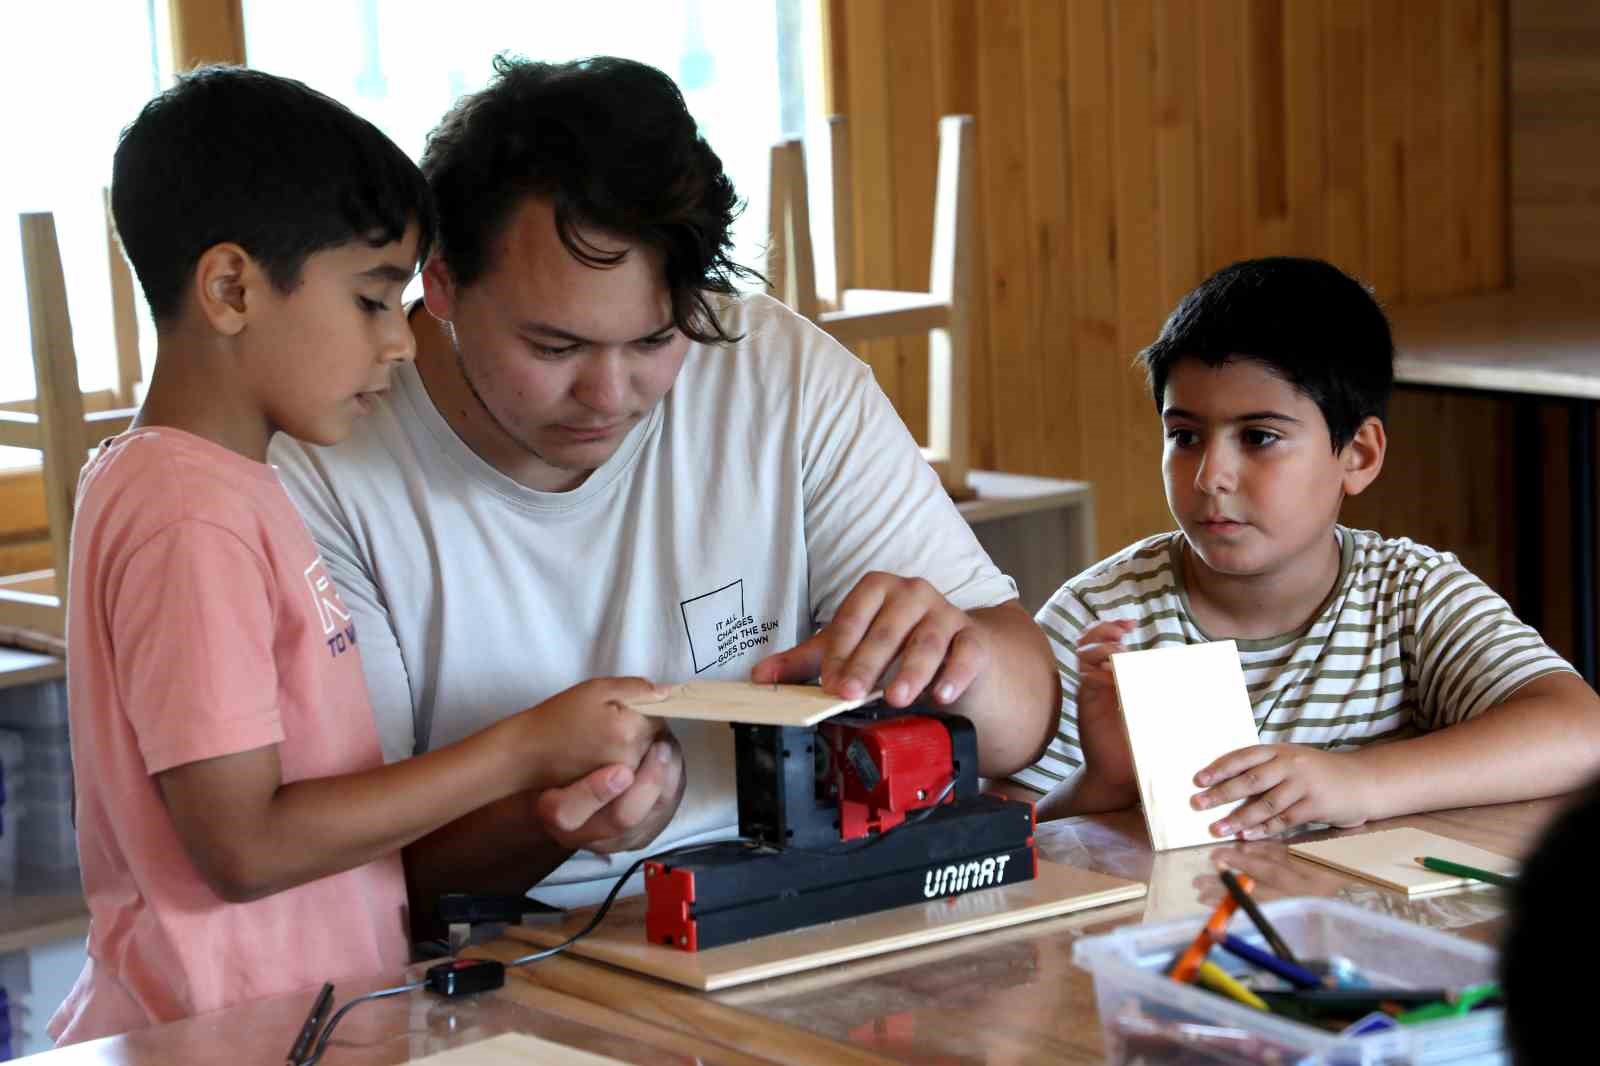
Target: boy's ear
{"x":226,"y":281}
{"x":438,"y":289}
{"x":1362,"y":458}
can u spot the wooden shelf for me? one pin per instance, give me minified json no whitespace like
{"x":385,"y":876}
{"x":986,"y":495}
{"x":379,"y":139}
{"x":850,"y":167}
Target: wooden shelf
{"x":18,"y":667}
{"x":27,"y":920}
{"x":1540,"y":338}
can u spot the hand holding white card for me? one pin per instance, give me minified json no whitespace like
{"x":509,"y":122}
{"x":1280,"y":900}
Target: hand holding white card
{"x":1183,"y":708}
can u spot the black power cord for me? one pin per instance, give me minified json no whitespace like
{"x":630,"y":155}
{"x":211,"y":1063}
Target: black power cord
{"x":460,"y":977}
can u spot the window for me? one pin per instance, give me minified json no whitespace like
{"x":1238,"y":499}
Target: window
{"x":77,"y":72}
{"x":402,"y":64}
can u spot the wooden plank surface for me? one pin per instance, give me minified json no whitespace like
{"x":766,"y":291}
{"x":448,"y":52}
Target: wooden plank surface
{"x":742,"y":701}
{"x":620,"y":939}
{"x":1388,"y":858}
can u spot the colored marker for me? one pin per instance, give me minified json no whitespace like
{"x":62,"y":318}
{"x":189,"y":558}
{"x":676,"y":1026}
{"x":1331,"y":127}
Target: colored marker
{"x":1292,"y":972}
{"x":1269,"y":934}
{"x":1214,"y":977}
{"x":1215,"y":929}
{"x":1472,"y":873}
{"x":1319,"y":1001}
{"x":1459,"y":1003}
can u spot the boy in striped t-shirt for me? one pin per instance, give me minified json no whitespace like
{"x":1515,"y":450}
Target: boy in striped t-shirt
{"x":1272,"y":379}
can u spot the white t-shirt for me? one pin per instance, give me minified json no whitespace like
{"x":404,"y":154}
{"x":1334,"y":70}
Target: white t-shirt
{"x":729,"y":525}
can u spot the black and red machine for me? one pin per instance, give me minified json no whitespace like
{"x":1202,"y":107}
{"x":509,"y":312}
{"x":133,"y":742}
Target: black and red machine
{"x":870,"y":810}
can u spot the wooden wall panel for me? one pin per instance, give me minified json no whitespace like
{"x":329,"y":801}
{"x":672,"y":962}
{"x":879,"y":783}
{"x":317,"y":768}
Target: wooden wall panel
{"x":1555,"y":105}
{"x":1130,"y":147}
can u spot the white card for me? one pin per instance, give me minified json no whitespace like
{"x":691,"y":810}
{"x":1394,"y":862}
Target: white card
{"x":1183,"y":708}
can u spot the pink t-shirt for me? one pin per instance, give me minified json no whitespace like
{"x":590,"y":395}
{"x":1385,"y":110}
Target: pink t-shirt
{"x":201,"y":622}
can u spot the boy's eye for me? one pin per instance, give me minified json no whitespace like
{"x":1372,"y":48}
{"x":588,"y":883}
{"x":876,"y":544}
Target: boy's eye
{"x":550,"y":351}
{"x":652,"y":343}
{"x":1181,"y":437}
{"x":1260,"y":438}
{"x":371,"y":306}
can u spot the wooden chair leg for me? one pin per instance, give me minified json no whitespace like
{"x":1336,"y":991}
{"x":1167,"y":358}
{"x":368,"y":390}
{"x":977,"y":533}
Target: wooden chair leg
{"x":802,"y":264}
{"x":124,"y":316}
{"x":61,"y":434}
{"x":951,"y":280}
{"x":777,"y":224}
{"x":844,"y":234}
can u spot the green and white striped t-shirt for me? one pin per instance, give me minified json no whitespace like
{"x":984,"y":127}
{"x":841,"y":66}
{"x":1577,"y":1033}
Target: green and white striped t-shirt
{"x":1408,"y":640}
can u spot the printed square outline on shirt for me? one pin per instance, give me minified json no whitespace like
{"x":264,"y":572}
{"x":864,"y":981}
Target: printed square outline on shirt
{"x":684,"y":608}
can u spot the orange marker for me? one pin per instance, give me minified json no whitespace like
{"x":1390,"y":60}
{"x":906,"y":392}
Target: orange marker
{"x":1215,"y":929}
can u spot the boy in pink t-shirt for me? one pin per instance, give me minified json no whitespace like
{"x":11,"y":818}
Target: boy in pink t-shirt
{"x":239,"y":832}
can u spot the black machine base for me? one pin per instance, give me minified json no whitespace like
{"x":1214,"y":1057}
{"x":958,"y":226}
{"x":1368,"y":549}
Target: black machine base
{"x":725,"y":895}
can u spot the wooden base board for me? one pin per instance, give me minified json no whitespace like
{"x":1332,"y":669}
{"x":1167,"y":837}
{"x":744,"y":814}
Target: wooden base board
{"x":620,"y":938}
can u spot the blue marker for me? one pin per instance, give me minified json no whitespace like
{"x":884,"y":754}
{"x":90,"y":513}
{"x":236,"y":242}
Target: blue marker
{"x":1376,"y":1022}
{"x":1295,"y":974}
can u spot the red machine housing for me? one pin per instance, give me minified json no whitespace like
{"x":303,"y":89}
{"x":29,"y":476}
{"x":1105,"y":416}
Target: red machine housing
{"x":887,"y":769}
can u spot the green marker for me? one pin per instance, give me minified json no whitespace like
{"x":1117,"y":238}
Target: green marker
{"x":1458,"y":1004}
{"x":1456,"y":869}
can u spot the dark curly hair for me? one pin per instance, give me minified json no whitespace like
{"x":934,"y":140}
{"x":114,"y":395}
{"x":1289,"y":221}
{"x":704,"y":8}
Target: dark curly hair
{"x":1304,"y":319}
{"x":236,"y":155}
{"x":612,"y":145}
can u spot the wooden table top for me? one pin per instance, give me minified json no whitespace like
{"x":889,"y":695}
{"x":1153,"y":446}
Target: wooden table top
{"x":1013,"y":996}
{"x":1541,"y":337}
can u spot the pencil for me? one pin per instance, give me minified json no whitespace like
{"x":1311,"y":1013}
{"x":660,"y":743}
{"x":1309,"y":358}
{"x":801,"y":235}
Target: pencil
{"x":313,"y":1022}
{"x":1214,"y":977}
{"x":1216,"y":927}
{"x":1269,"y":934}
{"x":1456,"y":869}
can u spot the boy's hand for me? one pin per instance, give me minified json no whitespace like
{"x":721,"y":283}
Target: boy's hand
{"x":589,"y":727}
{"x":1284,"y":786}
{"x":615,"y":809}
{"x":1100,"y":732}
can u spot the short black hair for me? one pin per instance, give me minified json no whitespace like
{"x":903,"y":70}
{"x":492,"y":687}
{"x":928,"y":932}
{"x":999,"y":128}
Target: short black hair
{"x":235,"y":155}
{"x":1306,"y":320}
{"x":1549,"y":935}
{"x":610,"y":142}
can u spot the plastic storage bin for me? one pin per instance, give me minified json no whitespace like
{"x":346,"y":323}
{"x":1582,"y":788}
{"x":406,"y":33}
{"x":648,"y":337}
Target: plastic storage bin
{"x":45,"y":749}
{"x":46,"y":786}
{"x":47,"y":843}
{"x":11,"y":816}
{"x":1135,"y":998}
{"x":34,"y":706}
{"x":14,"y":987}
{"x":10,"y":762}
{"x":11,"y":785}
